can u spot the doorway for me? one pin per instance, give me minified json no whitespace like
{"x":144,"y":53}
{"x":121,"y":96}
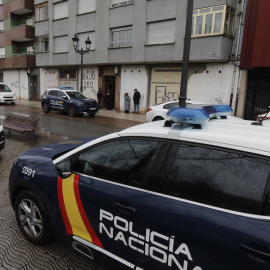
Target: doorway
{"x":109,"y":82}
{"x":34,"y":88}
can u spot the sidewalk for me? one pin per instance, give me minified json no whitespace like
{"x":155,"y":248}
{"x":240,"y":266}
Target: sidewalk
{"x":103,"y":113}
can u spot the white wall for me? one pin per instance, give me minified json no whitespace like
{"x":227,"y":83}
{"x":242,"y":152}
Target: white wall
{"x":17,"y":80}
{"x":134,"y":77}
{"x":48,"y":79}
{"x":90,"y":82}
{"x":212,"y":85}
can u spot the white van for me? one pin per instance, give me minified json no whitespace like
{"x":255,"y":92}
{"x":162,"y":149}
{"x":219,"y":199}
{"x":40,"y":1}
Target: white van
{"x":6,"y":94}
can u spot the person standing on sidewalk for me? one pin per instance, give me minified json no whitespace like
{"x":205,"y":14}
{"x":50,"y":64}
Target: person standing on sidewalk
{"x":127,"y":103}
{"x":136,"y":100}
{"x":99,"y":97}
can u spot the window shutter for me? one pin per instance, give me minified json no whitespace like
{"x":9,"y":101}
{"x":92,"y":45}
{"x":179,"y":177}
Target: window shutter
{"x":82,"y":38}
{"x":61,"y":44}
{"x":161,"y":32}
{"x":85,"y":6}
{"x":2,"y":52}
{"x":60,"y":10}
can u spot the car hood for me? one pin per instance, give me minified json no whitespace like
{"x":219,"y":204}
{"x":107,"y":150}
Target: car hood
{"x":46,"y":153}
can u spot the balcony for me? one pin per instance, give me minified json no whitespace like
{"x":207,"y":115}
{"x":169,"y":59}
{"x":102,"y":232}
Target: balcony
{"x":22,"y":33}
{"x":21,"y":7}
{"x":18,"y":61}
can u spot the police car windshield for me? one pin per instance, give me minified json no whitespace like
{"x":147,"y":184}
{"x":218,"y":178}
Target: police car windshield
{"x":4,"y":88}
{"x":75,"y":95}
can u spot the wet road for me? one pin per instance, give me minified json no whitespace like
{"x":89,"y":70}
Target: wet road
{"x":15,"y":251}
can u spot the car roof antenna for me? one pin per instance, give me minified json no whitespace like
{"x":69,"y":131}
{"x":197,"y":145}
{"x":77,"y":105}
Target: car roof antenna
{"x":259,"y":123}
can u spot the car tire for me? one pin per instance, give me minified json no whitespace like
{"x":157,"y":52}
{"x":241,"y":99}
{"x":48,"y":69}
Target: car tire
{"x":71,"y":111}
{"x":31,"y":218}
{"x":45,"y":107}
{"x":158,"y":118}
{"x":92,"y":115}
{"x":12,"y":103}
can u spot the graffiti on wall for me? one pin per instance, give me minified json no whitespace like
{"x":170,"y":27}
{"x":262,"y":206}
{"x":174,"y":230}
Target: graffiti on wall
{"x":162,"y":96}
{"x":89,"y":78}
{"x":218,"y":100}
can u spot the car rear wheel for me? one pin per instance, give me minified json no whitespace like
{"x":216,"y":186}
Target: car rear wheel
{"x":71,"y":111}
{"x":158,"y":118}
{"x":45,"y":107}
{"x":32,"y":219}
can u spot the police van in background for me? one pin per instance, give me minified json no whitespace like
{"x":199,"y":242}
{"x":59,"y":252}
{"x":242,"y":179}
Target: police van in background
{"x":189,"y":193}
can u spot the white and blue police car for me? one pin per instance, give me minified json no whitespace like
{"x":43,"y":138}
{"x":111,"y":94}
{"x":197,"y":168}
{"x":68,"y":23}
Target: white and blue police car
{"x":68,"y":100}
{"x":190,"y":193}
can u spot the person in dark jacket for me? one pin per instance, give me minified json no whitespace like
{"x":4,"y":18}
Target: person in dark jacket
{"x":136,"y":100}
{"x":99,"y":97}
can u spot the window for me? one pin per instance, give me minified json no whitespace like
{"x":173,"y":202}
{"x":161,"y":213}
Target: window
{"x":161,"y":32}
{"x":61,"y":44}
{"x":44,"y":44}
{"x":83,"y":37}
{"x":85,"y":6}
{"x":126,"y":161}
{"x":1,"y":26}
{"x":29,"y":21}
{"x":219,"y":178}
{"x":216,"y":20}
{"x":118,"y":3}
{"x":121,"y":37}
{"x":42,"y":12}
{"x":60,"y":10}
{"x":2,"y":52}
{"x":1,"y":2}
{"x":68,"y":74}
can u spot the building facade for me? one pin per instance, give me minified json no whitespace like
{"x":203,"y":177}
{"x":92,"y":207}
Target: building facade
{"x":255,"y":58}
{"x":139,"y":44}
{"x":17,"y":46}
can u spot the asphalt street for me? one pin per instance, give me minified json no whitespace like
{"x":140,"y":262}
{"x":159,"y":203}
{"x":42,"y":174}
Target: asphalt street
{"x":15,"y":251}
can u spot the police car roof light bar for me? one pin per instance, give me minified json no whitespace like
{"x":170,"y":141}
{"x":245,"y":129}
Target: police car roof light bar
{"x":65,"y":88}
{"x":197,"y":114}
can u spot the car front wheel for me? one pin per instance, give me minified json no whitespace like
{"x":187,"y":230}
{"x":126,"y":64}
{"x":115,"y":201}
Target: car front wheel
{"x":71,"y":111}
{"x":45,"y":107}
{"x":158,"y":118}
{"x":32,"y":219}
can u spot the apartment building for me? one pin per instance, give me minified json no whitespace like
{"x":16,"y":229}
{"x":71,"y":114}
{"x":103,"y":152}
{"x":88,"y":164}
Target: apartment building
{"x":17,"y":45}
{"x":255,"y":58}
{"x":139,"y":44}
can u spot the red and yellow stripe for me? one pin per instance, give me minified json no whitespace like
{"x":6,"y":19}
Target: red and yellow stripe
{"x":73,"y":214}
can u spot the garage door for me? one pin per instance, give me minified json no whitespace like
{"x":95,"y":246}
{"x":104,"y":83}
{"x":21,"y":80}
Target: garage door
{"x":165,"y":84}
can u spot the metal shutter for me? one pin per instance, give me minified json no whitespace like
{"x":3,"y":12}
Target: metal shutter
{"x":85,"y":6}
{"x":161,"y":32}
{"x":60,"y":44}
{"x":60,"y":10}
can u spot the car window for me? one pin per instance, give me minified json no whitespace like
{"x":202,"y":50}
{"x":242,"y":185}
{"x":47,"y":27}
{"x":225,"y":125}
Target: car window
{"x":125,"y":161}
{"x":53,"y":93}
{"x":61,"y":94}
{"x":168,"y":106}
{"x":76,"y":95}
{"x":4,"y":88}
{"x":219,"y":178}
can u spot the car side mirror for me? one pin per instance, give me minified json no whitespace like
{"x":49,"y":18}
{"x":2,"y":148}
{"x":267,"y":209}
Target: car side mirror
{"x":63,"y":169}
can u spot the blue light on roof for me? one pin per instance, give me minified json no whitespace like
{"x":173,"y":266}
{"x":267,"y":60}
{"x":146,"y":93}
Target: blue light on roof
{"x":197,"y":114}
{"x":65,"y":88}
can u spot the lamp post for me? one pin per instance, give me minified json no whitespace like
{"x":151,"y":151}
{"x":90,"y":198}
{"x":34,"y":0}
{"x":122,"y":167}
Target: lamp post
{"x":82,"y":52}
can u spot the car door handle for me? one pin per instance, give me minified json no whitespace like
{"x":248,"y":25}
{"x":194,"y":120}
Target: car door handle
{"x":259,"y":253}
{"x":129,"y":209}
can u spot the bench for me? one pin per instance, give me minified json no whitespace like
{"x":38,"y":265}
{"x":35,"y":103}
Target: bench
{"x":20,"y":123}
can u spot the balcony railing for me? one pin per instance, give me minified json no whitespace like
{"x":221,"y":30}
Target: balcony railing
{"x":22,"y":33}
{"x":18,"y":61}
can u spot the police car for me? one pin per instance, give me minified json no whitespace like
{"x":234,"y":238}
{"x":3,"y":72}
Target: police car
{"x":68,"y":100}
{"x":190,"y":193}
{"x":2,"y":138}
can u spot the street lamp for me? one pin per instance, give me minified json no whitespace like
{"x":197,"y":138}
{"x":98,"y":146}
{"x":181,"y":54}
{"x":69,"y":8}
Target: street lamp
{"x":82,"y":52}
